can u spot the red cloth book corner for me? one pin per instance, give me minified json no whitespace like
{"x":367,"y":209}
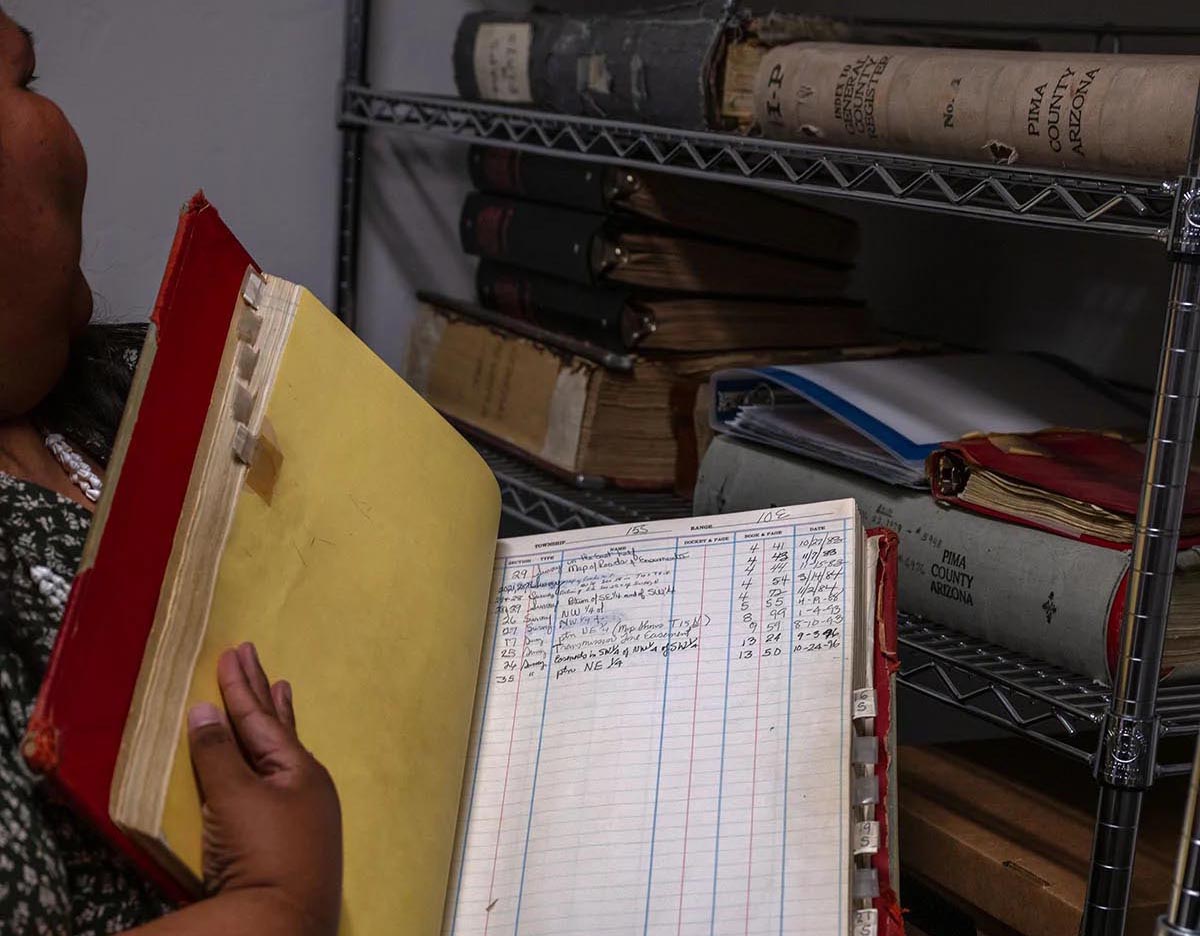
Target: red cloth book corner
{"x":74,"y":735}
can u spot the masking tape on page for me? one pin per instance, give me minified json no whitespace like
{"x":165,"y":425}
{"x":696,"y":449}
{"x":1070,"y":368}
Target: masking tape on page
{"x":866,"y":837}
{"x":866,"y":922}
{"x":864,"y":703}
{"x":502,"y":62}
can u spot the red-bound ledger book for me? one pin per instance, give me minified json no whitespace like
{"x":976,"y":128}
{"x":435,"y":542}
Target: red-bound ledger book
{"x":75,"y":733}
{"x":1080,"y":485}
{"x":1083,"y":485}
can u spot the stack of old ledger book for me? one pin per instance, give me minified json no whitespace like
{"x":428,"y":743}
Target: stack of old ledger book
{"x":607,"y":296}
{"x":1012,"y":528}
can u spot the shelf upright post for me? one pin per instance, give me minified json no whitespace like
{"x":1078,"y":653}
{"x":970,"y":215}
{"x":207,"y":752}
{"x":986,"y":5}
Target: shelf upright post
{"x":354,"y":72}
{"x":1183,"y":912}
{"x":1126,"y":757}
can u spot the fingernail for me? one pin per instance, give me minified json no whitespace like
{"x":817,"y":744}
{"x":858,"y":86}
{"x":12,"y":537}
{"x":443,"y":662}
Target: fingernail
{"x":287,"y":693}
{"x":247,"y":658}
{"x":202,"y":715}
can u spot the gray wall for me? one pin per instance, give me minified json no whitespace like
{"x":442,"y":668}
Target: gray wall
{"x":170,"y":96}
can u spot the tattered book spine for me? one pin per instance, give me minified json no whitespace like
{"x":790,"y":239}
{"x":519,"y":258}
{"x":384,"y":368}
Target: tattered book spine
{"x":521,"y":393}
{"x":1128,"y":114}
{"x":600,"y":315}
{"x":653,"y":68}
{"x":581,"y":185}
{"x":546,"y":239}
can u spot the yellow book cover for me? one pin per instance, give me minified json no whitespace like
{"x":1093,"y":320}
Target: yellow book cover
{"x":335,"y":520}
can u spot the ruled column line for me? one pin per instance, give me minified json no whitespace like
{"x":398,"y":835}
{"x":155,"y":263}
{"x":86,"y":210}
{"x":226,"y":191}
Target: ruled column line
{"x":712,"y":916}
{"x":787,"y":736}
{"x":687,"y":814}
{"x":762,"y":614}
{"x":487,"y":692}
{"x":512,"y":730}
{"x":562,"y":556}
{"x":662,"y":728}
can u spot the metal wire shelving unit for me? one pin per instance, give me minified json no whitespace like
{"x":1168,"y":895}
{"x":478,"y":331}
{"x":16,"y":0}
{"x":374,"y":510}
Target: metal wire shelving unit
{"x":1096,"y":203}
{"x":1116,"y":730}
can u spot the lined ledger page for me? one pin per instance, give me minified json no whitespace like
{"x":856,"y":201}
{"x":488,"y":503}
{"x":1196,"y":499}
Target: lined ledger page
{"x":661,"y":738}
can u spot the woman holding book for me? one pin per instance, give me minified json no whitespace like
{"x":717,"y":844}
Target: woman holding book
{"x":272,"y":824}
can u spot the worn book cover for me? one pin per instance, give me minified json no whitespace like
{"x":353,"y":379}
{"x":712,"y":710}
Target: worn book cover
{"x":658,"y":66}
{"x":1116,"y":113}
{"x":1084,"y":485}
{"x":75,"y":731}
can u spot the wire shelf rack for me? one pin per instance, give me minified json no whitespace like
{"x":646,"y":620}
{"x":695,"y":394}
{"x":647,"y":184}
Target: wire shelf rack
{"x":1050,"y":705}
{"x":1053,"y":706}
{"x":547,"y":504}
{"x":1115,"y":205}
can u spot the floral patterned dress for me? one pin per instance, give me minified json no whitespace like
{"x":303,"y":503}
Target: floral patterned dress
{"x":57,"y":878}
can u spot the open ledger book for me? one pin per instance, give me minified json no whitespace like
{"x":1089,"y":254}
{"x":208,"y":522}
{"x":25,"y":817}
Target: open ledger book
{"x":679,"y":726}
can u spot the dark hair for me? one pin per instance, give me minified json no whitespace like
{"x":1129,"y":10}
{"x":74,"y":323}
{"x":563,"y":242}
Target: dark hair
{"x":89,"y":399}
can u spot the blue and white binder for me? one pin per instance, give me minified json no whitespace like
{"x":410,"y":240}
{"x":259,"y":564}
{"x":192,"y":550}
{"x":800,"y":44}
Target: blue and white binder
{"x":884,"y":416}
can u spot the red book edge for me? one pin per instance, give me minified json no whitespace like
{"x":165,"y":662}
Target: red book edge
{"x":886,"y":665}
{"x":74,"y":735}
{"x":973,"y":452}
{"x":1116,"y":611}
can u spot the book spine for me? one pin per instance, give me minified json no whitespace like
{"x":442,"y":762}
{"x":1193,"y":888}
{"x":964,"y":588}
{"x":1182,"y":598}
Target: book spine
{"x":522,"y":393}
{"x":1041,"y":594}
{"x":595,"y":314}
{"x":533,"y":236}
{"x":654,"y":68}
{"x":1115,"y":113}
{"x":565,"y":182}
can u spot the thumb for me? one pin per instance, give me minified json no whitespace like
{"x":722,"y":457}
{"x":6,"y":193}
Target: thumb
{"x":216,"y":758}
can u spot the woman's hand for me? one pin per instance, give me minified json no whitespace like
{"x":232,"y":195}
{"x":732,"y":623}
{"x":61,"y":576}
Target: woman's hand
{"x":271,"y":816}
{"x":272,"y":825}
